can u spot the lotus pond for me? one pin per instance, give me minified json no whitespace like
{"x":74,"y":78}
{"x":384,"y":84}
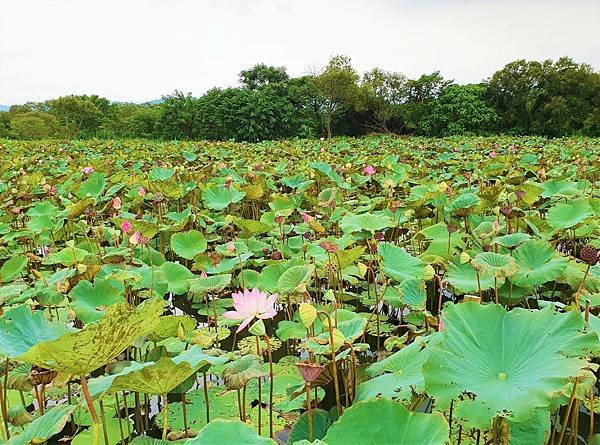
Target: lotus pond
{"x":379,"y":290}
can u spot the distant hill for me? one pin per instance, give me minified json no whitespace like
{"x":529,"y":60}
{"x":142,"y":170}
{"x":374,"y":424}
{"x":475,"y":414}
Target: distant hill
{"x":4,"y":107}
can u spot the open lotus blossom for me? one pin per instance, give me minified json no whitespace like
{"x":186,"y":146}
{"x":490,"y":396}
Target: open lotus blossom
{"x":369,"y":170}
{"x":251,"y":304}
{"x":88,"y":170}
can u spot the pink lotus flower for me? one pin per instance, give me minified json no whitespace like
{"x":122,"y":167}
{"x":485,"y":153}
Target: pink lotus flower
{"x":88,"y":170}
{"x":116,"y":203}
{"x":306,"y":217}
{"x":142,"y":191}
{"x":126,"y":226}
{"x":203,"y":274}
{"x":249,"y":305}
{"x":368,"y":170}
{"x":493,"y":154}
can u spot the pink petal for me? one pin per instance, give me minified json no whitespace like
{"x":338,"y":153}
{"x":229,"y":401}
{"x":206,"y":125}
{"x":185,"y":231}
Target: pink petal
{"x":245,"y":323}
{"x":234,"y":315}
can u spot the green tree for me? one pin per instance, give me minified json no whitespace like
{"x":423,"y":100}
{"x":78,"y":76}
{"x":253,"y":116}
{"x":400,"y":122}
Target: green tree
{"x":459,"y":109}
{"x":261,"y":75}
{"x":179,"y":114}
{"x":420,"y":93}
{"x":384,"y":92}
{"x":338,"y":83}
{"x":548,"y":98}
{"x":32,"y":125}
{"x":79,"y":116}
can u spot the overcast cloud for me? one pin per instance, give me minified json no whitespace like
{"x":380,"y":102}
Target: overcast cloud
{"x":139,"y":50}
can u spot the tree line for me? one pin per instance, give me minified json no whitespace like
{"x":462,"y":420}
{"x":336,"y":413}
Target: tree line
{"x":550,"y":98}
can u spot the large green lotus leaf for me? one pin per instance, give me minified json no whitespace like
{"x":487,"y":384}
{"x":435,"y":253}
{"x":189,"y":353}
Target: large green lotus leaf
{"x":538,"y":263}
{"x":464,"y":201}
{"x":210,"y":284}
{"x":218,"y":197}
{"x":157,"y":378}
{"x":21,"y":329}
{"x":13,"y":294}
{"x":533,"y":431}
{"x":168,"y":326}
{"x":177,"y":276}
{"x":290,"y":329}
{"x":412,"y":293}
{"x":328,"y":171}
{"x":250,"y":227}
{"x":399,"y":264}
{"x":511,"y":240}
{"x":238,"y":373}
{"x":228,"y":264}
{"x":365,"y":222}
{"x":44,"y":427}
{"x":512,"y":362}
{"x":383,"y":421}
{"x":295,"y":279}
{"x":557,"y":187}
{"x":491,"y":264}
{"x":188,"y":244}
{"x":321,"y":421}
{"x":463,"y":277}
{"x":220,"y":431}
{"x":161,"y":173}
{"x":89,"y":301}
{"x":113,"y":432}
{"x":93,"y":186}
{"x":397,"y":376}
{"x":12,"y":267}
{"x":568,"y":214}
{"x":81,"y":352}
{"x":574,"y":273}
{"x":68,"y":256}
{"x":438,"y":240}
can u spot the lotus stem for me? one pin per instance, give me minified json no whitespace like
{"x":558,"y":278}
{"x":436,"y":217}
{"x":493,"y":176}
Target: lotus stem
{"x":3,"y":400}
{"x":93,"y":413}
{"x":563,"y":428}
{"x":587,"y":271}
{"x":309,"y":412}
{"x":244,"y":403}
{"x":118,"y":413}
{"x":592,"y":403}
{"x":335,"y":373}
{"x":139,"y":425}
{"x":126,"y":414}
{"x":166,"y":417}
{"x":496,"y":289}
{"x":271,"y":377}
{"x":184,"y":409}
{"x":206,"y":401}
{"x":103,"y":417}
{"x":259,"y":389}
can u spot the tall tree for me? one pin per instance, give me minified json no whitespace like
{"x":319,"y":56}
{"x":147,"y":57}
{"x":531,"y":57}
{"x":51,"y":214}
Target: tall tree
{"x":338,"y":83}
{"x":261,"y":75}
{"x":384,"y":92}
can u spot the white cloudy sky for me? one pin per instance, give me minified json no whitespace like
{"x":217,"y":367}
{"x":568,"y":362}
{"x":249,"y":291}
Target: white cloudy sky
{"x":141,"y":49}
